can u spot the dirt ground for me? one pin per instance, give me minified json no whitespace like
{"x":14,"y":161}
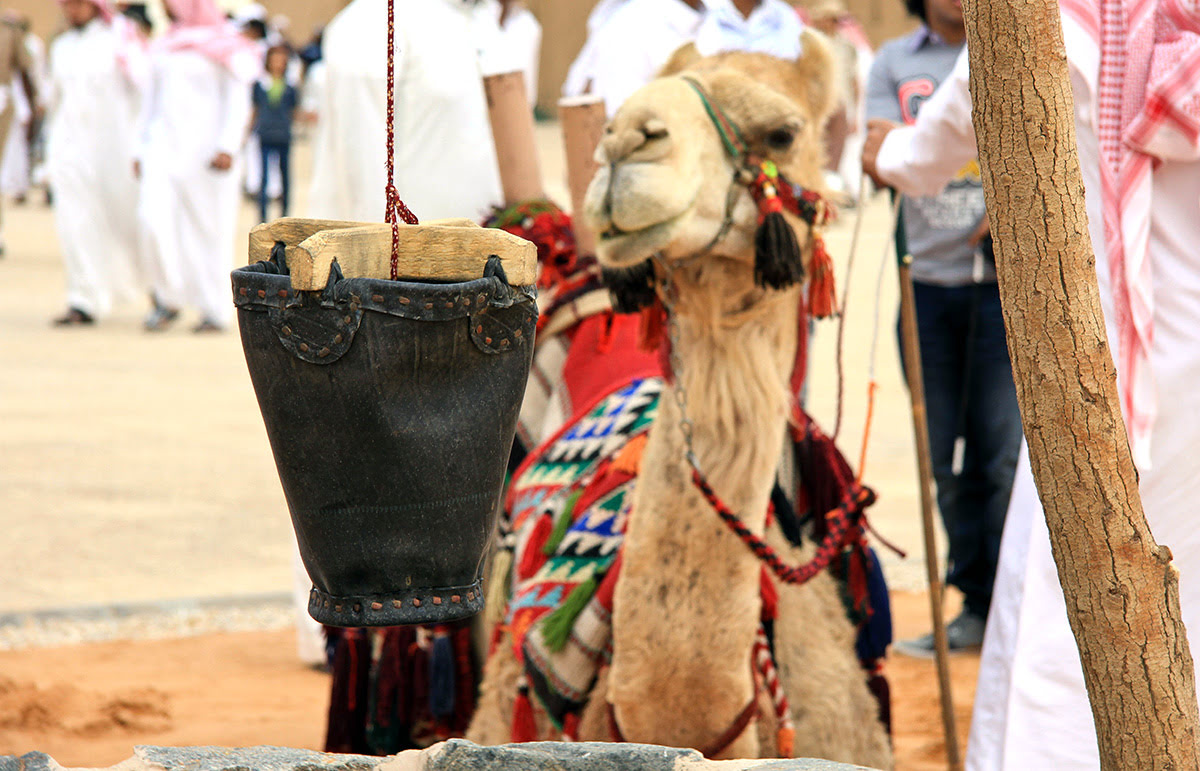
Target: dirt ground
{"x":134,"y":468}
{"x":89,"y":705}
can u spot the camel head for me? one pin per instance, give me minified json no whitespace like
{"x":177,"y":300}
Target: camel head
{"x":675,"y":186}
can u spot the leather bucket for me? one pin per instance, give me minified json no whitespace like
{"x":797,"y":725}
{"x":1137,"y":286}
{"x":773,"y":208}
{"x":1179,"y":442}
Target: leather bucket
{"x":390,"y":407}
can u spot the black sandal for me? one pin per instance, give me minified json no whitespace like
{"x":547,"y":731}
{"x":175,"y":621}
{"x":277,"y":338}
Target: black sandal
{"x":74,"y":317}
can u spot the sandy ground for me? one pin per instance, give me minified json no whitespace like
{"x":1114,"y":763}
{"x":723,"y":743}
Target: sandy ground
{"x":134,"y":468}
{"x":89,"y":705}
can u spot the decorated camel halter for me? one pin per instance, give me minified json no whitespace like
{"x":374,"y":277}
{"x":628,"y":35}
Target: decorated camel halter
{"x":778,"y":259}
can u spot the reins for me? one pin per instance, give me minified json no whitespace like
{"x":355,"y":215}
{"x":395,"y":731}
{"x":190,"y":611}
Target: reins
{"x":396,"y":209}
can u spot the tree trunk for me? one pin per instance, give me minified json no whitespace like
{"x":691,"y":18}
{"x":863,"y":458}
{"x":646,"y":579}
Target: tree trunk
{"x":1121,"y":590}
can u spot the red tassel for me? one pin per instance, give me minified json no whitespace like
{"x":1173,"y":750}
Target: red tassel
{"x":524,"y":727}
{"x":822,"y":294}
{"x":652,"y":332}
{"x":785,"y":740}
{"x":570,"y":732}
{"x":532,"y":558}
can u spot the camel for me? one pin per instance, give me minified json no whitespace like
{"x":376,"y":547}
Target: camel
{"x":686,"y":607}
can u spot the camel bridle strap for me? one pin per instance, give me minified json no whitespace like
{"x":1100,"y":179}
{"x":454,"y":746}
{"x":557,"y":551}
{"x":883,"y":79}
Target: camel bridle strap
{"x":731,"y":135}
{"x":771,"y":190}
{"x":396,"y":209}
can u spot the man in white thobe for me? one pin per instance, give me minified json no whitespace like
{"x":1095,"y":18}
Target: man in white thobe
{"x":634,"y":43}
{"x":513,"y":42}
{"x":765,"y":26}
{"x":98,"y":67}
{"x":194,"y":124}
{"x":1031,"y":706}
{"x":445,"y":164}
{"x":579,"y":77}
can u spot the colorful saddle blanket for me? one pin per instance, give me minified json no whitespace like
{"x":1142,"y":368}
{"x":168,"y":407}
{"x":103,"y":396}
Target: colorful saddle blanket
{"x":568,"y":507}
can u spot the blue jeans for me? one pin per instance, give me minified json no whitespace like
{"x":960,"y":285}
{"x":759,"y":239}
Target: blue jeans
{"x":281,"y":151}
{"x":964,"y":361}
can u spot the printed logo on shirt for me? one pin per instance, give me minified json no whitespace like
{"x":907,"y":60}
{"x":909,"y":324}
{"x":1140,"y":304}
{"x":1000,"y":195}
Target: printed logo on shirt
{"x":913,"y":94}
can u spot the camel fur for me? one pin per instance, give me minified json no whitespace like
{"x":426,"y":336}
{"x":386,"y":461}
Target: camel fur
{"x":687,"y":604}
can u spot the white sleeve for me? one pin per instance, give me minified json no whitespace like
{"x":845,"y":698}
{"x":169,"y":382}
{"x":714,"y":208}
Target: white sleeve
{"x":920,"y":159}
{"x":149,"y":106}
{"x":238,"y":108}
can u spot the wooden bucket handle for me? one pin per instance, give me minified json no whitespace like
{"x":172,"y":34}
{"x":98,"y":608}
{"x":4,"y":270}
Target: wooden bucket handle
{"x":441,"y":250}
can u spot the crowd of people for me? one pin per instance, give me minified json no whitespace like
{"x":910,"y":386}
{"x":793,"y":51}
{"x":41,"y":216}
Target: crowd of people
{"x":151,"y":142}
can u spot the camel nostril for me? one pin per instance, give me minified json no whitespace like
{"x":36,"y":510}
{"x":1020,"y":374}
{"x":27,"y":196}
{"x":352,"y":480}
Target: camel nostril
{"x":654,"y":129}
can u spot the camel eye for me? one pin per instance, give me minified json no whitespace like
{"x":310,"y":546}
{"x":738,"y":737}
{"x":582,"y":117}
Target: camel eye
{"x":781,"y":138}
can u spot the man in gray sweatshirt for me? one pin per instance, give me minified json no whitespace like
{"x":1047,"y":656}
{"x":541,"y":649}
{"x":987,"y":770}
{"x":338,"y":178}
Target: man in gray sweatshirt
{"x":974,"y":422}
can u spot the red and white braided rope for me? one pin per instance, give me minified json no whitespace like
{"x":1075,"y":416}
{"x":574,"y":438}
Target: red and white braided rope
{"x":764,"y":664}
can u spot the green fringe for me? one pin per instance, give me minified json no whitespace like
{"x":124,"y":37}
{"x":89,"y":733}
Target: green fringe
{"x":562,"y":524}
{"x":556,"y":628}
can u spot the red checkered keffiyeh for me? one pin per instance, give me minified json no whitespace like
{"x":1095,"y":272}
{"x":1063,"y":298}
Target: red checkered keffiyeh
{"x":1148,"y":110}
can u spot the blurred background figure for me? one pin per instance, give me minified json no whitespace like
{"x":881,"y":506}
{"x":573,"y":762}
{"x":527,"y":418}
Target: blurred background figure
{"x":98,"y":69}
{"x":17,"y":168}
{"x":445,"y":162}
{"x":579,"y":78}
{"x":854,"y":53}
{"x":630,"y":46}
{"x":516,"y":42}
{"x":16,"y":62}
{"x":193,"y":128}
{"x":275,"y":105}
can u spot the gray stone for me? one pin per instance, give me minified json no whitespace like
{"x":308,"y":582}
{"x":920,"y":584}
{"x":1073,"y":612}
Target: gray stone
{"x":454,"y":755}
{"x":250,"y":759}
{"x":460,"y":755}
{"x":31,"y":761}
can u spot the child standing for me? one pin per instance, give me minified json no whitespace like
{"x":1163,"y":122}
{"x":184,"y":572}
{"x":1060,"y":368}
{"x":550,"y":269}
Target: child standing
{"x":275,"y":104}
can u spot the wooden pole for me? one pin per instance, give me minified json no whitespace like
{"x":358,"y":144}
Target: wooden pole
{"x":583,"y":119}
{"x":1121,"y":590}
{"x":911,"y":346}
{"x":512,"y":131}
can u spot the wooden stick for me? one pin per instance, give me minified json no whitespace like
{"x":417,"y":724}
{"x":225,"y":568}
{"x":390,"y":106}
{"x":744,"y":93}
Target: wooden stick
{"x":911,"y":345}
{"x":512,"y":132}
{"x":449,"y":250}
{"x":583,"y":119}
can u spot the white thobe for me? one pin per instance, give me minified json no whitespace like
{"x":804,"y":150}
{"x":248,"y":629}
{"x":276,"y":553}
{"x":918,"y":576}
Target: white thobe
{"x":579,"y":77}
{"x":515,"y":45}
{"x":14,"y":169}
{"x":634,"y":44}
{"x":445,"y":163}
{"x":91,"y":135}
{"x":773,"y":27}
{"x":195,"y":109}
{"x":1031,"y":707}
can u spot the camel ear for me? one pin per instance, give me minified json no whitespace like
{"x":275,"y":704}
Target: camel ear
{"x":632,"y":289}
{"x":683,"y":58}
{"x":818,"y":68}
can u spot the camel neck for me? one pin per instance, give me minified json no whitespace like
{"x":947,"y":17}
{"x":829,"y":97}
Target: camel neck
{"x":687,"y":583}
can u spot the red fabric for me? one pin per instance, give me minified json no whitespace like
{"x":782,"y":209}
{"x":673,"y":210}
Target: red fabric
{"x":589,"y":376}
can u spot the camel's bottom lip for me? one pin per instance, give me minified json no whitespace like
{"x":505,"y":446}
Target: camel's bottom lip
{"x":618,"y":248}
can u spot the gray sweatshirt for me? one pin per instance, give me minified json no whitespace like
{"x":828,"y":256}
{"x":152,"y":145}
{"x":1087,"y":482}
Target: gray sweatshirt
{"x":905,"y":73}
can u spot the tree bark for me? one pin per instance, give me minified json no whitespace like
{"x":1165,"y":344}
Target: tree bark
{"x":1121,"y":589}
